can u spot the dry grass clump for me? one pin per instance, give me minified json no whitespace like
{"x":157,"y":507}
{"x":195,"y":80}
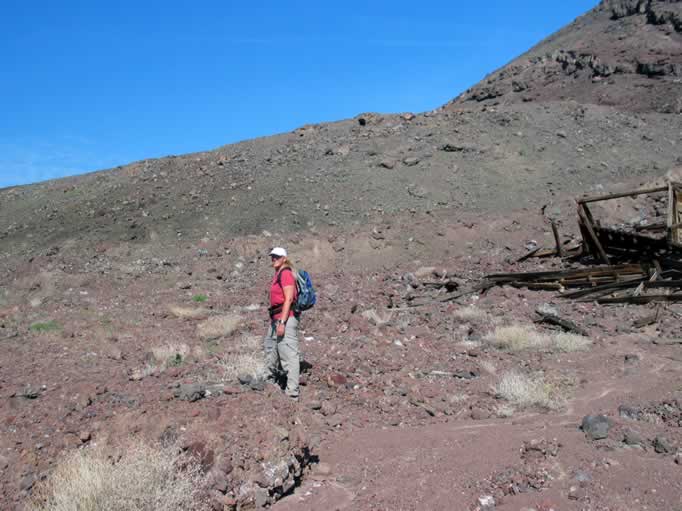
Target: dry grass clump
{"x":488,"y":366}
{"x":523,"y":390}
{"x":242,"y":364}
{"x":244,"y":358}
{"x":170,"y":354}
{"x":470,"y":313}
{"x":144,"y":478}
{"x":517,"y":338}
{"x":188,"y":312}
{"x":165,"y":356}
{"x":218,"y":326}
{"x":571,"y":342}
{"x":525,"y":338}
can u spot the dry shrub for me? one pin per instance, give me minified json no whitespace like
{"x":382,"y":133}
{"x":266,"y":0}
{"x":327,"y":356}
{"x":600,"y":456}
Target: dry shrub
{"x":517,"y":338}
{"x":170,"y":354}
{"x":144,"y":478}
{"x":375,"y":318}
{"x":188,"y":313}
{"x":525,"y":337}
{"x":218,"y":326}
{"x":571,"y":342}
{"x":468,"y":344}
{"x":488,"y":366}
{"x":504,"y":411}
{"x":470,"y":313}
{"x":242,"y":364}
{"x":244,"y":357}
{"x":524,"y":390}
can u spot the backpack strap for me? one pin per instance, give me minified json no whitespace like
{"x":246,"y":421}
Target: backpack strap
{"x":279,"y":276}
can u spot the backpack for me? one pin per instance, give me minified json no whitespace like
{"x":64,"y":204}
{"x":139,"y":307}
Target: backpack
{"x":306,"y":296}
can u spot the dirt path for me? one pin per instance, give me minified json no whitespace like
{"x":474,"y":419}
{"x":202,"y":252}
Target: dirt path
{"x":440,"y":466}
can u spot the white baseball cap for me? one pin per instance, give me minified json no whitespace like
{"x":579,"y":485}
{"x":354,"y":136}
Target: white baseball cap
{"x":279,"y":252}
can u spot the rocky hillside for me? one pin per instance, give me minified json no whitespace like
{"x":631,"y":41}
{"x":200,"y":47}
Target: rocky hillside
{"x":590,"y":105}
{"x":624,"y":53}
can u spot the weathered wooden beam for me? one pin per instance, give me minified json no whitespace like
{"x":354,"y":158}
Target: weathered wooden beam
{"x":566,"y":324}
{"x":641,"y":299}
{"x":583,"y":215}
{"x":597,"y":198}
{"x":557,"y":240}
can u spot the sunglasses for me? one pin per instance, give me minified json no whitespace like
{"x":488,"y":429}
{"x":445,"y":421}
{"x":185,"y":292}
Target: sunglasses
{"x":275,"y":257}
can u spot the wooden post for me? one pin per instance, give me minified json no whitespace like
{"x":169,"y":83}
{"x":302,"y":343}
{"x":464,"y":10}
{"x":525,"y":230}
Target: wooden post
{"x":557,"y":240}
{"x":583,"y":215}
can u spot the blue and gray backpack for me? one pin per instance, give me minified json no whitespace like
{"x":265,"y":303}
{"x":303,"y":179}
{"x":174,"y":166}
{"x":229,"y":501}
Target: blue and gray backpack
{"x":304,"y":287}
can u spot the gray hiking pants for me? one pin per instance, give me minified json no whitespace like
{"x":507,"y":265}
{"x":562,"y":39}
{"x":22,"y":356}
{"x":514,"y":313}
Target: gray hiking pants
{"x":283,"y":351}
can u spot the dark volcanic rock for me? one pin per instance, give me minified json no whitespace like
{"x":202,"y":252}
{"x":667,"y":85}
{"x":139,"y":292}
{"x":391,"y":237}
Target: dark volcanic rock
{"x":596,"y":427}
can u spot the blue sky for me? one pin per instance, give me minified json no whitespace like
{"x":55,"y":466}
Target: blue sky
{"x":88,"y":85}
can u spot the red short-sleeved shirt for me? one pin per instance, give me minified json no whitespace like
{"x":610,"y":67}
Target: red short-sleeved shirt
{"x":277,"y":291}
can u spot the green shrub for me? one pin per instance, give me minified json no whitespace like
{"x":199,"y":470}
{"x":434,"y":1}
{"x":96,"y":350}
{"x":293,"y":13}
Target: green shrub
{"x":48,"y":326}
{"x":200,"y":298}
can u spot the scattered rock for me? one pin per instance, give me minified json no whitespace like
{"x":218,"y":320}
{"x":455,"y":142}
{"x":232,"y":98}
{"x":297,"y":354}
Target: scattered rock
{"x":190,"y":392}
{"x":336,"y":380}
{"x":322,"y":469}
{"x":662,"y":445}
{"x":387,"y":164}
{"x":478,"y":414}
{"x":486,"y":502}
{"x":666,"y":341}
{"x":411,"y":161}
{"x":30,"y":392}
{"x":596,"y":427}
{"x":547,"y":309}
{"x":631,"y":437}
{"x":628,"y":412}
{"x":466,"y":375}
{"x":27,"y":482}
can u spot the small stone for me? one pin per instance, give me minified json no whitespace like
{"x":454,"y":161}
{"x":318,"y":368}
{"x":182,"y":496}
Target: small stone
{"x":667,"y":341}
{"x":478,"y":414}
{"x":85,"y":436}
{"x":662,"y":445}
{"x":631,"y":359}
{"x":387,"y":164}
{"x":487,"y":502}
{"x":411,"y":161}
{"x":314,"y":405}
{"x":27,"y":482}
{"x":582,"y":477}
{"x":328,"y":408}
{"x":631,"y":437}
{"x":596,"y":427}
{"x":322,"y":469}
{"x":547,"y":309}
{"x":190,"y":392}
{"x":336,"y":379}
{"x":628,"y":412}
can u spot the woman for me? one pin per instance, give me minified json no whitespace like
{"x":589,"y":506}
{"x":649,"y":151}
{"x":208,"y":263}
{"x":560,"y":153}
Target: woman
{"x":281,"y":342}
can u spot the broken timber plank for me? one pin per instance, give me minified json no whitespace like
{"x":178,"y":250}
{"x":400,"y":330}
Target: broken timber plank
{"x":557,"y":240}
{"x":641,"y":299}
{"x":597,"y":198}
{"x":583,"y":215}
{"x":566,"y":324}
